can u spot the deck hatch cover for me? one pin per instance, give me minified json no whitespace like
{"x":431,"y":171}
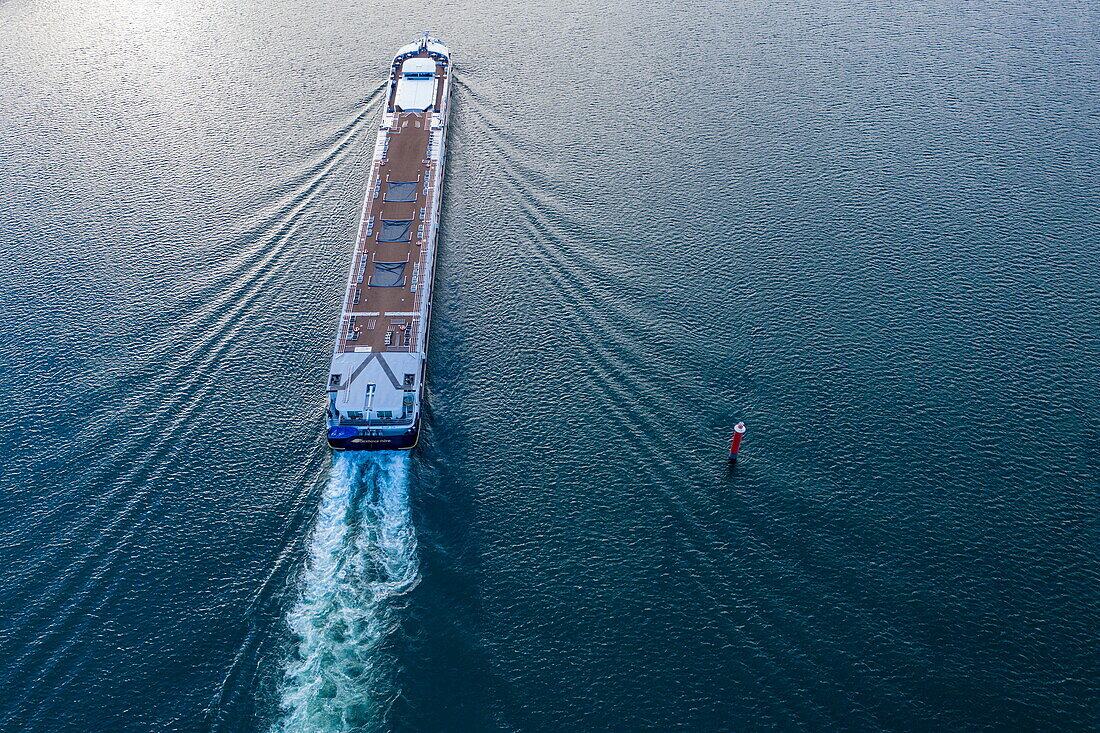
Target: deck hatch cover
{"x":395,"y":230}
{"x":401,"y":191}
{"x":388,"y":275}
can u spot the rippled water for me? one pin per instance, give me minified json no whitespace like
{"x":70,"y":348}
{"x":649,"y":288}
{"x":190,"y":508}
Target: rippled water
{"x":867,"y":229}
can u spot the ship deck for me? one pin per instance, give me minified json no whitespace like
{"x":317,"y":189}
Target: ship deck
{"x":387,"y":315}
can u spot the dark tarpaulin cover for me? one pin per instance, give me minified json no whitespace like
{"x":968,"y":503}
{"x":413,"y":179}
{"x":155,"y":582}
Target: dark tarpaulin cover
{"x":388,"y":275}
{"x":394,"y":231}
{"x":401,"y":191}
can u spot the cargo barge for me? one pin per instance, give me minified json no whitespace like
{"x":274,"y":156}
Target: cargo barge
{"x":376,"y":384}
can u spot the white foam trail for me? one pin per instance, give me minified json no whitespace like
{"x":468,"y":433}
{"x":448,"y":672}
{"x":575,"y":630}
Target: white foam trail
{"x":362,"y":556}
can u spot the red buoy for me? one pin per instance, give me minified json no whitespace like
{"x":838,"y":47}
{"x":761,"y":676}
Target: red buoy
{"x":735,"y":443}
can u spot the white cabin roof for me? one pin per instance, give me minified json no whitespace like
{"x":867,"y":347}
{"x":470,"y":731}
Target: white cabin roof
{"x":418,"y":66}
{"x":370,"y":382}
{"x":415,"y":95}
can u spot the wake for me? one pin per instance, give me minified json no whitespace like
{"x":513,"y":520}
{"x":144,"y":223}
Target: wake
{"x":362,"y":558}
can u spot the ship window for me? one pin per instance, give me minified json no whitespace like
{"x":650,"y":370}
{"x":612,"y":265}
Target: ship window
{"x":388,"y":275}
{"x":395,"y":230}
{"x":404,"y":191}
{"x":385,"y":414}
{"x":355,"y":415}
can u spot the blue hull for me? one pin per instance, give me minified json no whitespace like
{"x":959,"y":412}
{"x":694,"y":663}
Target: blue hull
{"x":403,"y":441}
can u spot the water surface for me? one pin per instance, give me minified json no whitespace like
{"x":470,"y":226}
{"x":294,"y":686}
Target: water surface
{"x":867,"y":229}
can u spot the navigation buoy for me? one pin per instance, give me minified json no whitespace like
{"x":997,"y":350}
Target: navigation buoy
{"x":735,"y":443}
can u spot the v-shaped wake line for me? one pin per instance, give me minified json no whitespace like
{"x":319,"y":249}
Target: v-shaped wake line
{"x":362,"y":557}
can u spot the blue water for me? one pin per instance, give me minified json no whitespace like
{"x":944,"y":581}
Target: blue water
{"x":867,"y":229}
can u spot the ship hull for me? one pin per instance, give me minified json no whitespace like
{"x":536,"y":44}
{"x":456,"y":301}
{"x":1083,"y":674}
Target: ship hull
{"x":406,"y":441}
